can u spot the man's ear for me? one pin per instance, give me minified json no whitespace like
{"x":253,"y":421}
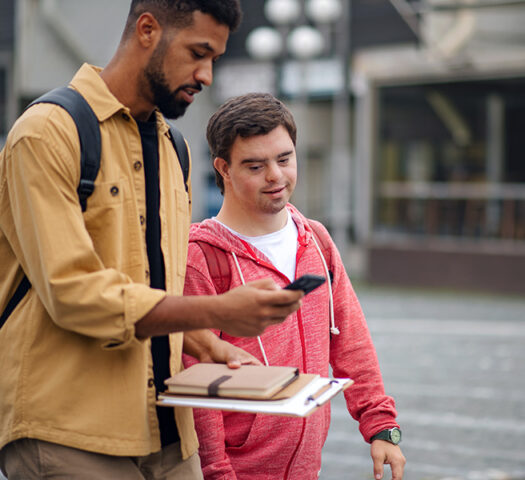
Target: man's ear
{"x":148,"y":30}
{"x":222,"y":167}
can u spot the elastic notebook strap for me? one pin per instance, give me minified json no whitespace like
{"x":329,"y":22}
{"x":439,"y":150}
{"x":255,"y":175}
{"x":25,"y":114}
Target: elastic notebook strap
{"x":213,"y":387}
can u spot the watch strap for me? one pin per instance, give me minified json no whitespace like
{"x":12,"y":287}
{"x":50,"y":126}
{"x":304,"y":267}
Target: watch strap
{"x":387,"y":435}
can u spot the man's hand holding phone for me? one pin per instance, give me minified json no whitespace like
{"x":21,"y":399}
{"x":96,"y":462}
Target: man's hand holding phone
{"x":306,"y":283}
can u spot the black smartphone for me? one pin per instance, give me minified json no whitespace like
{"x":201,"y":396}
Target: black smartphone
{"x":306,"y":283}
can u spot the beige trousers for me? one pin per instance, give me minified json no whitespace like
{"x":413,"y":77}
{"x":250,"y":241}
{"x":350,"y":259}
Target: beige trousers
{"x":30,"y":459}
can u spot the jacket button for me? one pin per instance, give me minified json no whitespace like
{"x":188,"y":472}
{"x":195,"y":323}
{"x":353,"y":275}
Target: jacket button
{"x":142,"y":220}
{"x":151,"y":383}
{"x":114,"y":191}
{"x":125,"y":116}
{"x":137,"y":166}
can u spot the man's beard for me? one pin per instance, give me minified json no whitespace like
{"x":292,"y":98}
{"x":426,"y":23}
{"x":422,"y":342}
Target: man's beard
{"x":163,"y":98}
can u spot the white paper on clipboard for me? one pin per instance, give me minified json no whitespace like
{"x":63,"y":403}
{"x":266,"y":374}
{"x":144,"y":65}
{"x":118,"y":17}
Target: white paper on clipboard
{"x":314,"y":394}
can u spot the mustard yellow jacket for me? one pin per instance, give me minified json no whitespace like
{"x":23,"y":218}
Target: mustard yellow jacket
{"x":71,"y":370}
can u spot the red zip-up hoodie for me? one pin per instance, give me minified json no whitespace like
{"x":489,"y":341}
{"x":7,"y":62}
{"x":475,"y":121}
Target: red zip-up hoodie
{"x":263,"y":447}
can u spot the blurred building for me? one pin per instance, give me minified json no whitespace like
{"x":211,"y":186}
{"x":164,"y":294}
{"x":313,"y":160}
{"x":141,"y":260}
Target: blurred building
{"x":444,"y":149}
{"x":436,"y":176}
{"x":410,"y":124}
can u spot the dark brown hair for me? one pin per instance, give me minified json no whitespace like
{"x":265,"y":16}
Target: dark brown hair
{"x":179,"y":13}
{"x":246,"y":116}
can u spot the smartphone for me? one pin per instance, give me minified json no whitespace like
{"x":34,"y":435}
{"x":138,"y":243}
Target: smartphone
{"x":306,"y":283}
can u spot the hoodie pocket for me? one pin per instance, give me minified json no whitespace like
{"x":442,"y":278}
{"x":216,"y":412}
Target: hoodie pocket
{"x":238,"y":427}
{"x":268,"y":445}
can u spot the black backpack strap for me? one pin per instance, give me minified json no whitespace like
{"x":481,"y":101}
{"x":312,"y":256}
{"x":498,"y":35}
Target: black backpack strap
{"x":182,"y":152}
{"x":20,"y":292}
{"x":88,"y":129}
{"x":88,"y":132}
{"x":90,"y":147}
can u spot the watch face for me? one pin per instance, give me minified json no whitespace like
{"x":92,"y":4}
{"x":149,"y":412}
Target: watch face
{"x":395,"y":435}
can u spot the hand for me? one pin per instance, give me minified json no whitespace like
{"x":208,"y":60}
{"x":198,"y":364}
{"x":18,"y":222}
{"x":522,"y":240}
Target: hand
{"x":244,"y":311}
{"x":247,"y":310}
{"x":234,"y":357}
{"x":207,"y":347}
{"x":384,"y":452}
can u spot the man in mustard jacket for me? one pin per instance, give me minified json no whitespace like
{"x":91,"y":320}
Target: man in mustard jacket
{"x":86,"y":350}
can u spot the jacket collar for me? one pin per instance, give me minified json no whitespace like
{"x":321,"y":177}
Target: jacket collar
{"x":90,"y":84}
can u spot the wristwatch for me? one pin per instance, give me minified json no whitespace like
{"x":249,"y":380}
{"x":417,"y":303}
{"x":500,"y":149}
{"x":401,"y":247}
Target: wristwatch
{"x":392,"y":435}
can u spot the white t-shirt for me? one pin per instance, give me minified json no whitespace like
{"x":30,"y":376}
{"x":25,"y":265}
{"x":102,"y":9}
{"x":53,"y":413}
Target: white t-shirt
{"x":280,"y":247}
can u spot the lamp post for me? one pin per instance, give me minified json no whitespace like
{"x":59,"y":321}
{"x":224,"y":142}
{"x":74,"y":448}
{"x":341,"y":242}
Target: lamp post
{"x":303,"y":30}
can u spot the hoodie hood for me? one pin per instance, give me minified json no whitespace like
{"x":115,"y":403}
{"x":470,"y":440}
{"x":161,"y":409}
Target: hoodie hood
{"x":214,"y":233}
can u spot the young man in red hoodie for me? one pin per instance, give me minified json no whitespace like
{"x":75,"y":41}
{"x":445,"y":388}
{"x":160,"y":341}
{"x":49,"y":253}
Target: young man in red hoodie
{"x":258,"y":234}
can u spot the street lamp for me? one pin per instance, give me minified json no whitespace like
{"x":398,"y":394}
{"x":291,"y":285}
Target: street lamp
{"x":282,"y":12}
{"x":324,"y":11}
{"x":264,"y":43}
{"x":292,"y":36}
{"x":305,"y":42}
{"x":268,"y":43}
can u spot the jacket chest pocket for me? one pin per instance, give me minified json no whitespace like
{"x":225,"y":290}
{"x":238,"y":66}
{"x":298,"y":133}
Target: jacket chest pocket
{"x":114,"y":225}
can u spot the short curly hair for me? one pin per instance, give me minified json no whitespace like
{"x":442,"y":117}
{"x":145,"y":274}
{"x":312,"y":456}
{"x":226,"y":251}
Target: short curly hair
{"x":246,"y":116}
{"x":179,"y":13}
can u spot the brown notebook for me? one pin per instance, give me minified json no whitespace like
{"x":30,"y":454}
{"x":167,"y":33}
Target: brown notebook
{"x":217,"y":380}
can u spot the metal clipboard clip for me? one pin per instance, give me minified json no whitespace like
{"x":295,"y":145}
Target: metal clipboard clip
{"x":323,"y":394}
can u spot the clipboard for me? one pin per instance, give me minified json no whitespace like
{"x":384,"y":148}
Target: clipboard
{"x":300,"y":399}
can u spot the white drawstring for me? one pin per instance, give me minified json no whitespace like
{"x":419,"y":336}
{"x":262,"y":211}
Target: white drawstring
{"x":244,"y":283}
{"x":333,"y":329}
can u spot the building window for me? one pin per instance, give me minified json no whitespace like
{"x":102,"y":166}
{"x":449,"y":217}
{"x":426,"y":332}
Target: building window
{"x":449,"y":161}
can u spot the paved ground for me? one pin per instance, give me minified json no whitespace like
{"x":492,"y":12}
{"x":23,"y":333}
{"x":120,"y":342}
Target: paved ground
{"x":455,"y":364}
